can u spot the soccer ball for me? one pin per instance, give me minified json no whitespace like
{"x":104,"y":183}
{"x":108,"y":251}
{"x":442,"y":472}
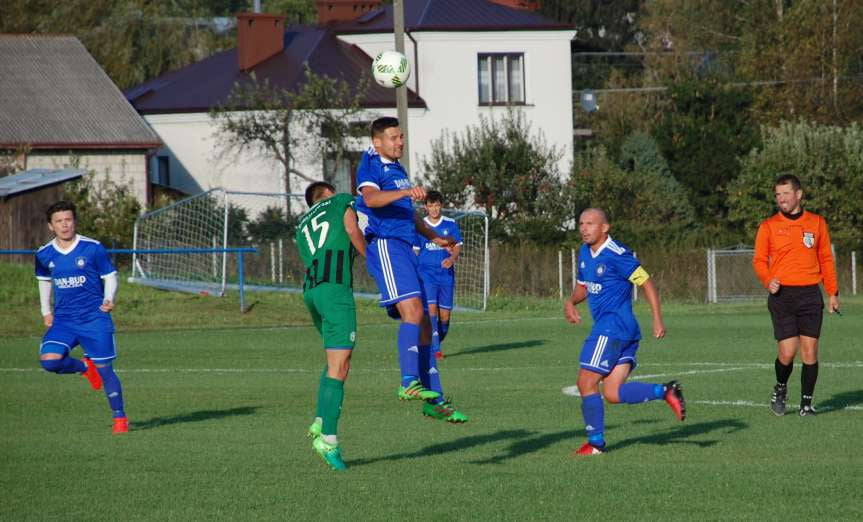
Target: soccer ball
{"x":391,"y":69}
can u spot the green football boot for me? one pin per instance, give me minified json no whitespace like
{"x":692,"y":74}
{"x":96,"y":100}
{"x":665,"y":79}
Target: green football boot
{"x":331,"y":453}
{"x":315,"y":429}
{"x":415,"y":391}
{"x":444,"y":411}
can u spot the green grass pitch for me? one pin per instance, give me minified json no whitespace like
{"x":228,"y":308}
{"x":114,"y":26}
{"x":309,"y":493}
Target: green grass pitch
{"x":218,"y":419}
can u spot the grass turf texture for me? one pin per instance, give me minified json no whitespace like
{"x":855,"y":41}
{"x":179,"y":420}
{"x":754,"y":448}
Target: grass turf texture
{"x":218,"y":420}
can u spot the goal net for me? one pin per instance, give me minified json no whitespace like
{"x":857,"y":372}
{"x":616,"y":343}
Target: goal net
{"x":730,"y":276}
{"x":223,"y":219}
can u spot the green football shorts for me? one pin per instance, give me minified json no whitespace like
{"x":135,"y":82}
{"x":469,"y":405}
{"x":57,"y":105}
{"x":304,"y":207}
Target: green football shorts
{"x":334,"y":314}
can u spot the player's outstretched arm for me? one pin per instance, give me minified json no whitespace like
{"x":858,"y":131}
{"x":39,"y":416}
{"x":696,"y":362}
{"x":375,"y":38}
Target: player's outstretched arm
{"x":570,"y":312}
{"x":651,"y":294}
{"x":374,"y":197}
{"x":354,"y":233}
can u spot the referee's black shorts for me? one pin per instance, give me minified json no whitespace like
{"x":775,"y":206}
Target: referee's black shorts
{"x":796,"y":310}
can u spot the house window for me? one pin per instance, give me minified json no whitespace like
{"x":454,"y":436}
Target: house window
{"x":501,"y":79}
{"x":342,"y":174}
{"x":163,"y":171}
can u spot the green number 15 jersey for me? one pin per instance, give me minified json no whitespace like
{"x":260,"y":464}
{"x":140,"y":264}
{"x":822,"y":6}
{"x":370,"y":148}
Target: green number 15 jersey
{"x":324,"y":245}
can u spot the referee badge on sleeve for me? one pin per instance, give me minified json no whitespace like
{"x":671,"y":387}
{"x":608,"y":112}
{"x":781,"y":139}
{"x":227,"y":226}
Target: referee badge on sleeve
{"x":808,"y":239}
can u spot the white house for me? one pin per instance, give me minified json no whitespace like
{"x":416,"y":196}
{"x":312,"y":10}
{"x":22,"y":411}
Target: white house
{"x":470,"y":58}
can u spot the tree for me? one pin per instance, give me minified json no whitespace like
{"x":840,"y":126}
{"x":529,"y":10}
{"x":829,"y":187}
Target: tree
{"x":137,"y":40}
{"x":829,"y":162}
{"x":639,"y":194}
{"x":501,"y":167}
{"x":317,"y":119}
{"x":703,"y":132}
{"x":106,"y":210}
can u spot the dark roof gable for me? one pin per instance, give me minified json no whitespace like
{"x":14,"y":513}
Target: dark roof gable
{"x":206,"y":84}
{"x":452,"y":15}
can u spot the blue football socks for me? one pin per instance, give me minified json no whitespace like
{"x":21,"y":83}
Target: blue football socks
{"x":409,"y":336}
{"x":593,"y":411}
{"x":443,"y":328}
{"x":429,"y":373}
{"x":637,"y":392}
{"x":65,"y":365}
{"x":113,"y":390}
{"x":435,"y":340}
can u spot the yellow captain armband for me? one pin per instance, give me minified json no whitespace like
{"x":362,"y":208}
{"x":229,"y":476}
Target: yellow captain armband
{"x":639,"y":277}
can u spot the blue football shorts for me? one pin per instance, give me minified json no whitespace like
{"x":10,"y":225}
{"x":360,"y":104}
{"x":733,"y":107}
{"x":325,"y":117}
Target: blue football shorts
{"x":95,"y":338}
{"x":601,"y":353}
{"x":393,"y":265}
{"x":438,"y":287}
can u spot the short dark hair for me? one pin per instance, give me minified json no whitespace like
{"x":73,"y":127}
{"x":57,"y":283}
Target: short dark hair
{"x":315,"y":190}
{"x":382,"y":124}
{"x":61,"y":206}
{"x":786,"y":179}
{"x":433,"y":196}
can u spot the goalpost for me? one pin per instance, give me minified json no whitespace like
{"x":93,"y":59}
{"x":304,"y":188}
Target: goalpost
{"x":221,"y":218}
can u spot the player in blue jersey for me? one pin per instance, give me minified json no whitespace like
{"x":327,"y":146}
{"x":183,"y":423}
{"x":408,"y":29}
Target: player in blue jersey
{"x":84,"y":282}
{"x":436,"y":269}
{"x":606,"y":272}
{"x":390,"y":225}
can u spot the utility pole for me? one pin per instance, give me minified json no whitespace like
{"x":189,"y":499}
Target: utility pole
{"x":402,"y":92}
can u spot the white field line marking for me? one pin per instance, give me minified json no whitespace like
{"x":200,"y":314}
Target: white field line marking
{"x":752,"y":404}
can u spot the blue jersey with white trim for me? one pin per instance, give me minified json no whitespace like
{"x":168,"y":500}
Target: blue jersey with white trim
{"x":395,"y":220}
{"x":76,"y":274}
{"x":605,"y":273}
{"x":431,"y":256}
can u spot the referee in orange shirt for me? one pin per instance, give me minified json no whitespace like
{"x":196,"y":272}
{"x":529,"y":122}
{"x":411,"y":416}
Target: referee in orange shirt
{"x":793,"y":255}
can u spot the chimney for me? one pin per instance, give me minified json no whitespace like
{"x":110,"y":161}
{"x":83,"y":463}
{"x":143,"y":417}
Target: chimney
{"x":259,"y":36}
{"x":334,"y":11}
{"x":524,"y":5}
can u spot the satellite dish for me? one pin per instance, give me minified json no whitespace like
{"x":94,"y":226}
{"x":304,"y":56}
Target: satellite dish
{"x":588,"y":101}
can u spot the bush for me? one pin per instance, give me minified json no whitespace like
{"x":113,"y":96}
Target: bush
{"x":641,"y":198}
{"x":106,"y":210}
{"x":829,"y":162}
{"x":501,"y":167}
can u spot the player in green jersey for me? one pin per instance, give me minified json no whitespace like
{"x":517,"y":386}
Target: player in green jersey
{"x":328,"y":238}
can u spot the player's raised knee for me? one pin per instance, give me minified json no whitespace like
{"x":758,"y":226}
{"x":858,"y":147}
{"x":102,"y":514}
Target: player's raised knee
{"x":53,"y":364}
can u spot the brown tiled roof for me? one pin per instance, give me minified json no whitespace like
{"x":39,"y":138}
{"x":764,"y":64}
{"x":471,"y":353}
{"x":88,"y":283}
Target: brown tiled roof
{"x":207,"y":83}
{"x":53,"y":94}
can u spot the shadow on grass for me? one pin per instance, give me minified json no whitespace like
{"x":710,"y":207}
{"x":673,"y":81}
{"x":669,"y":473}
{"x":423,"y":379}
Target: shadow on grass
{"x":684,"y":433}
{"x":531,"y":445}
{"x":490,"y":348}
{"x":196,"y":416}
{"x":447,"y":447}
{"x":840,"y":401}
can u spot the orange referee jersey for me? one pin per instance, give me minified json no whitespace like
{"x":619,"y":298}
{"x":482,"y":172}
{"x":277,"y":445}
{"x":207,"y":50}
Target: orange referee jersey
{"x":795,"y":251}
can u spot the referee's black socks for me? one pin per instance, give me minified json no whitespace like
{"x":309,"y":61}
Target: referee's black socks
{"x":807,"y":382}
{"x":783,"y":372}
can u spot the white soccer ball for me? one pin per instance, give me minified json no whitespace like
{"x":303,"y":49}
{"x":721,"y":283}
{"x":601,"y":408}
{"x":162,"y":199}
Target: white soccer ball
{"x":391,"y":69}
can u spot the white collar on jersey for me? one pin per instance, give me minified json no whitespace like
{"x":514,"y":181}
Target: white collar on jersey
{"x":67,"y":250}
{"x":601,"y":248}
{"x":428,"y":221}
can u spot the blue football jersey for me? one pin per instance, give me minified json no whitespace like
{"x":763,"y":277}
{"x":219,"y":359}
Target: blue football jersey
{"x":605,"y":273}
{"x":395,"y":220}
{"x":431,"y":256}
{"x":76,"y":274}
